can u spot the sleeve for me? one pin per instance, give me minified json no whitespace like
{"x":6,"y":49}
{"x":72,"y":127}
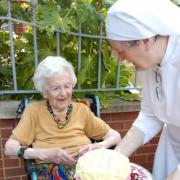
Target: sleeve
{"x":178,"y":167}
{"x":95,"y":128}
{"x":24,"y":132}
{"x":146,"y":121}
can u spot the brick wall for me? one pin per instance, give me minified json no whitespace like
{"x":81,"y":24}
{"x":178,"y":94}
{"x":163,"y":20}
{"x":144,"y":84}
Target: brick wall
{"x":12,"y":169}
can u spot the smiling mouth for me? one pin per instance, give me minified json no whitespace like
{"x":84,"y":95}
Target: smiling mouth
{"x":62,"y":100}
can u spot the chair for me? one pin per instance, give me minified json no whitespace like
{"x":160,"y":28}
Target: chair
{"x":90,"y":100}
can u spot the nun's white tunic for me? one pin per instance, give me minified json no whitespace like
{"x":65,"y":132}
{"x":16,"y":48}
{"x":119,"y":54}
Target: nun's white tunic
{"x":165,"y":112}
{"x":135,"y":20}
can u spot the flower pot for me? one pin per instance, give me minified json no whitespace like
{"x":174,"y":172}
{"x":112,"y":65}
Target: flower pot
{"x":19,"y":28}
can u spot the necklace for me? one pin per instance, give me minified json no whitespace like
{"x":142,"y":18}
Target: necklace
{"x":61,"y":123}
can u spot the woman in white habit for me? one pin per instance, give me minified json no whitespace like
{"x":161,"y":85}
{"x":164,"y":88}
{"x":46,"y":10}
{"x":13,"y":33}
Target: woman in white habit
{"x":147,"y":34}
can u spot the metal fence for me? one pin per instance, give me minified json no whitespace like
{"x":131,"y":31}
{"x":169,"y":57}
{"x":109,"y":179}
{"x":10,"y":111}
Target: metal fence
{"x":10,"y":21}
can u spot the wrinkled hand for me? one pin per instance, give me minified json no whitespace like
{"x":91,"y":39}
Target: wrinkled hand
{"x":175,"y":175}
{"x":57,"y":155}
{"x":90,"y":147}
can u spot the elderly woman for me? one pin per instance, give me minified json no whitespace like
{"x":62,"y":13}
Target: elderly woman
{"x":141,"y":32}
{"x":58,"y":129}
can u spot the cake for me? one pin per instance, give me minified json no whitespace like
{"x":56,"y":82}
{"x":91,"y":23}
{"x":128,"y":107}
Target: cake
{"x":102,"y":164}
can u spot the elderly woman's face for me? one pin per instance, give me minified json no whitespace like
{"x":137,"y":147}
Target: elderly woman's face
{"x":140,"y":54}
{"x":59,"y":91}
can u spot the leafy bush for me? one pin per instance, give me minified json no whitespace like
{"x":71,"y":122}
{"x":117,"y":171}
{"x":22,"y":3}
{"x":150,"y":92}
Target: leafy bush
{"x":67,"y":16}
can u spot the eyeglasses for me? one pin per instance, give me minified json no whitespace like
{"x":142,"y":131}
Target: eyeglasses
{"x":158,"y":83}
{"x":55,"y":90}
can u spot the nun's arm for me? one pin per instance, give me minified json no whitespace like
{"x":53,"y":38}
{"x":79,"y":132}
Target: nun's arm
{"x":132,"y":140}
{"x":144,"y":128}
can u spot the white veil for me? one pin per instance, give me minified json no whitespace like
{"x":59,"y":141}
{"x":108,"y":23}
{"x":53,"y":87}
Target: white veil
{"x":140,"y":19}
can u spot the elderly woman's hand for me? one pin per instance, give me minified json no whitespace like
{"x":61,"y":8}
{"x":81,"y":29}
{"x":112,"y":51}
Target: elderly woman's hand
{"x":56,"y":155}
{"x":90,"y":147}
{"x":110,"y":139}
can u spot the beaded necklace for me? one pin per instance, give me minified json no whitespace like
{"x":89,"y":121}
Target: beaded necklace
{"x":61,"y":123}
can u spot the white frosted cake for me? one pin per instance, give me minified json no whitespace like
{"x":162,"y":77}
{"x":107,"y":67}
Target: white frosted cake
{"x":102,"y":164}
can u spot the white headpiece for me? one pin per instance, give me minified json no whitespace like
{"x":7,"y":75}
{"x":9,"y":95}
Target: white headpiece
{"x":139,"y":19}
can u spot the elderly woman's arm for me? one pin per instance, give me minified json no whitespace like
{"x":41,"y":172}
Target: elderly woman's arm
{"x":110,"y":139}
{"x":56,"y":155}
{"x":11,"y":148}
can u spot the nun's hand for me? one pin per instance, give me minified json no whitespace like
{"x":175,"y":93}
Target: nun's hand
{"x":175,"y":175}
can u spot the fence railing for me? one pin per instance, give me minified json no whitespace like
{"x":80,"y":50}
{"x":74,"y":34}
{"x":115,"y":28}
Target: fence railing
{"x":10,"y":28}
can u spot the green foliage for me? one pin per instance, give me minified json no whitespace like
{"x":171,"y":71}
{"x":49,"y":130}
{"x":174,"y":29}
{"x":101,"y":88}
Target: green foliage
{"x":3,"y":7}
{"x":49,"y":17}
{"x":19,"y":10}
{"x":177,"y":2}
{"x":67,"y":16}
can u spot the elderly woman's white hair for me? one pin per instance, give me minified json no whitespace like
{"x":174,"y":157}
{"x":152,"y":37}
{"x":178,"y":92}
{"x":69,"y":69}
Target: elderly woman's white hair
{"x":49,"y":67}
